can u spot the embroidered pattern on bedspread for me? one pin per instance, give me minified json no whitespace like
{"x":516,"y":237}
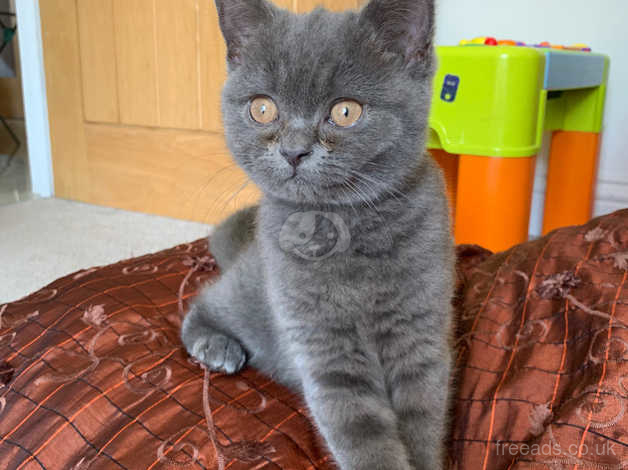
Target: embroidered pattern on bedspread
{"x":93,"y":376}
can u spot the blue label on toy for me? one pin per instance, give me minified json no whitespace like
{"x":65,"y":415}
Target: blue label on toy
{"x":450,"y":88}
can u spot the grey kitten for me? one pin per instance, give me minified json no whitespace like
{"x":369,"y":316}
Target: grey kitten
{"x":339,"y":283}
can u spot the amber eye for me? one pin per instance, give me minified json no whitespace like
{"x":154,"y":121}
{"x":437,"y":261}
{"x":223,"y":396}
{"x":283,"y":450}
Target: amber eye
{"x":346,"y":113}
{"x":264,"y":110}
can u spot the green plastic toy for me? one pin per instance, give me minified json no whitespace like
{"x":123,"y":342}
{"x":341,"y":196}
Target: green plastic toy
{"x":498,"y":101}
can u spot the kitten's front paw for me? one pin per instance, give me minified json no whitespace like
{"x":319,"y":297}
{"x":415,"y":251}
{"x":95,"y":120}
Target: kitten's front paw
{"x":219,"y":352}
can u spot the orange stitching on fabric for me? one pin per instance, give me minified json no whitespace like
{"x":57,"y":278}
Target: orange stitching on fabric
{"x":484,"y":303}
{"x":183,"y":436}
{"x":563,"y":357}
{"x":603,"y":376}
{"x":512,"y":356}
{"x":87,"y":405}
{"x":275,"y":428}
{"x":202,"y":420}
{"x":64,"y":314}
{"x":73,"y":337}
{"x":160,"y":263}
{"x":323,"y":460}
{"x":39,"y":405}
{"x":168,"y":395}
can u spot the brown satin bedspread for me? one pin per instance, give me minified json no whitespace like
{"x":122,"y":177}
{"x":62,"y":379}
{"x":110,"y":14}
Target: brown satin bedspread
{"x":92,"y":374}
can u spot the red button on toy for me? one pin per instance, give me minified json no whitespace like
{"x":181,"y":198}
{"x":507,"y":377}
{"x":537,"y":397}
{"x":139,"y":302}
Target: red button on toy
{"x":490,"y":42}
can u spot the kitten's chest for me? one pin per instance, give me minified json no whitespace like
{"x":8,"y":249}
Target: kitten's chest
{"x":320,"y":251}
{"x":333,"y":288}
{"x":326,"y":264}
{"x":328,"y":240}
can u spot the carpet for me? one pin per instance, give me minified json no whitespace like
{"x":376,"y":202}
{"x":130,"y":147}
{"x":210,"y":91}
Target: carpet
{"x":44,"y":239}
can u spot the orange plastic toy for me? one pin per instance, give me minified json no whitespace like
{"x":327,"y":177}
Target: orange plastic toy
{"x":490,"y":109}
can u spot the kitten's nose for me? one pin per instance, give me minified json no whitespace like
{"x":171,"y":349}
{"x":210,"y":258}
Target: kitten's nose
{"x":294,"y":156}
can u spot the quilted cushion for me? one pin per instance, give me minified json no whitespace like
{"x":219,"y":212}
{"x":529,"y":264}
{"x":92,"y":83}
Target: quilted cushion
{"x":541,"y":353}
{"x":94,"y":377}
{"x":92,"y":374}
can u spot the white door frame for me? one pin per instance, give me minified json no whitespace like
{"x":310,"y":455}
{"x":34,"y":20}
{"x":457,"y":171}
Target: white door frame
{"x":34,"y":95}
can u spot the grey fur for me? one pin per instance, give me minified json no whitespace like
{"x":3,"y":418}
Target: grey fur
{"x":234,"y":234}
{"x":362,"y":331}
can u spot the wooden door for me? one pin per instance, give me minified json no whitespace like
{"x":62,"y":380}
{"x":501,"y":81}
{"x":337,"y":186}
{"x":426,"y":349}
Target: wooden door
{"x":134,"y":105}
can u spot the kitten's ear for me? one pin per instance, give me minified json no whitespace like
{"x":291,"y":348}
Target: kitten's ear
{"x":239,"y":21}
{"x":405,"y":27}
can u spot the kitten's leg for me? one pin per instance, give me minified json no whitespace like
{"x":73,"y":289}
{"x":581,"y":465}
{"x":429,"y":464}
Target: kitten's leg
{"x":232,"y":237}
{"x":229,"y":323}
{"x":418,"y":366}
{"x":208,"y":344}
{"x":344,"y":389}
{"x":205,"y":326}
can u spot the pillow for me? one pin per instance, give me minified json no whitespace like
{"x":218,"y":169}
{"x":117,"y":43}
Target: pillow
{"x":541,"y":353}
{"x":93,"y":376}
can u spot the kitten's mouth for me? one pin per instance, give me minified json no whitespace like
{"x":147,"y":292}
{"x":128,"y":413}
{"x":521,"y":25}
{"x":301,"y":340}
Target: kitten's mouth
{"x":296,"y":177}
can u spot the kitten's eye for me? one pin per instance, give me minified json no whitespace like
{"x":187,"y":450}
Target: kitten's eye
{"x":346,"y":113}
{"x":264,"y":110}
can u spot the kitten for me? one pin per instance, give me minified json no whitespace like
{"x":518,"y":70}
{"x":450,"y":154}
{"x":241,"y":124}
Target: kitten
{"x":339,"y":284}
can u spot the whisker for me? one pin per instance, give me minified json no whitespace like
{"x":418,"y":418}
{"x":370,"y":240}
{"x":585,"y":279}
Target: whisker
{"x":218,"y":206}
{"x":246,"y":183}
{"x":370,"y":203}
{"x":203,"y":187}
{"x":372,"y":179}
